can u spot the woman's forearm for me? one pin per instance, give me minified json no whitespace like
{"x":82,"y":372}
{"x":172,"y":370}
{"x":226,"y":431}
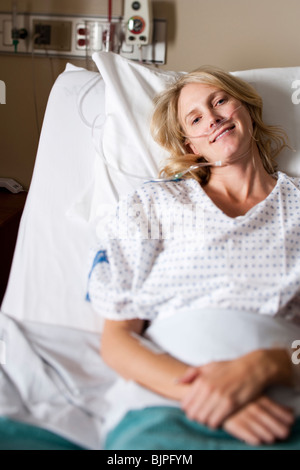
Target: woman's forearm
{"x":122,"y":351}
{"x":273,"y":365}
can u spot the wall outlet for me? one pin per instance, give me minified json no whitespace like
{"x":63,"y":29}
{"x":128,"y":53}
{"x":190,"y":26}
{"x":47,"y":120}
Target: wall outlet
{"x":53,"y":35}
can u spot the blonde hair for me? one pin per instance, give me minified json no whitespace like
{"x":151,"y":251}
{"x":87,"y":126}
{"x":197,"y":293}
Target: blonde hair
{"x":167,"y":131}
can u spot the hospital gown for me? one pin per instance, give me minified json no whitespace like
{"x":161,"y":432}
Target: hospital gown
{"x":213,"y":287}
{"x":171,"y":248}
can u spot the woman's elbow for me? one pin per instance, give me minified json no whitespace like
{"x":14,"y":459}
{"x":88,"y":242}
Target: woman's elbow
{"x":117,"y":342}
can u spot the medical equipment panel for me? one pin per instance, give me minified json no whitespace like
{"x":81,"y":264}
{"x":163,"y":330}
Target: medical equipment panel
{"x":69,"y":36}
{"x":138,"y":22}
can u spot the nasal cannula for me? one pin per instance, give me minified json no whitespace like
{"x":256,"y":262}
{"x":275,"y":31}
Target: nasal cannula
{"x":178,"y":176}
{"x":84,"y":92}
{"x":214,"y":126}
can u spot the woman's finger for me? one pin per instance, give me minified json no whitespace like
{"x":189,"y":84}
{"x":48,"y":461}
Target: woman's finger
{"x":282,"y":413}
{"x":273,"y":417}
{"x":260,"y":422}
{"x":240,"y":429}
{"x":195,"y":399}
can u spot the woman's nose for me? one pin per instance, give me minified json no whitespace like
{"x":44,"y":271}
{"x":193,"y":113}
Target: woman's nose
{"x":213,"y":117}
{"x":214,"y":120}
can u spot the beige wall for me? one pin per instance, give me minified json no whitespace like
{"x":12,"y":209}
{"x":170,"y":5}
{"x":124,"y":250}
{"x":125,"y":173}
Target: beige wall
{"x":234,"y":34}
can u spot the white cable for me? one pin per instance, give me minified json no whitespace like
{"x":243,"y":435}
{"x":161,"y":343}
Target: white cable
{"x":101,"y":155}
{"x":83,"y":92}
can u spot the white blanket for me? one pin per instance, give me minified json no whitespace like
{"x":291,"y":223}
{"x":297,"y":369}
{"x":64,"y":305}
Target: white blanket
{"x":54,"y":378}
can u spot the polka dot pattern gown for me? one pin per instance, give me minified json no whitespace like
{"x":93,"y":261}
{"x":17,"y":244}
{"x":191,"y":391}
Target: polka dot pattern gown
{"x":170,"y":247}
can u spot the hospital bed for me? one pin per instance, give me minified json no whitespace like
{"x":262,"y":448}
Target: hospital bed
{"x":94,"y":147}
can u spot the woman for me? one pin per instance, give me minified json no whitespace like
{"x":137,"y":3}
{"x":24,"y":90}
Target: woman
{"x":217,"y":294}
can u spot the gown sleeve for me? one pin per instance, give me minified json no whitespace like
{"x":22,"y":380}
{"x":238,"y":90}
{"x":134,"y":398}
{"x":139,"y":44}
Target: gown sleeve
{"x":122,"y":261}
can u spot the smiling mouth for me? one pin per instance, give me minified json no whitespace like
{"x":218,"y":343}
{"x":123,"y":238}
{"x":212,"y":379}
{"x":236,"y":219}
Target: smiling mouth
{"x":222,"y":133}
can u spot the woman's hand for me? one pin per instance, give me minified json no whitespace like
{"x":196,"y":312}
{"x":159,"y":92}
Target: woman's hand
{"x":260,"y":422}
{"x":221,"y":388}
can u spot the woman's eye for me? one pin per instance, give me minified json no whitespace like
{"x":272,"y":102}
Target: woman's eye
{"x":220,"y":101}
{"x":196,"y":120}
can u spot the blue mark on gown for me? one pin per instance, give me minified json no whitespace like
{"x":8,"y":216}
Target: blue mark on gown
{"x":100,"y":257}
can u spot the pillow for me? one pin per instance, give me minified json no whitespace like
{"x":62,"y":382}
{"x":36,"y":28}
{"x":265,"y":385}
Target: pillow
{"x":122,"y":140}
{"x":126,"y":143}
{"x":280,"y":91}
{"x":130,"y":88}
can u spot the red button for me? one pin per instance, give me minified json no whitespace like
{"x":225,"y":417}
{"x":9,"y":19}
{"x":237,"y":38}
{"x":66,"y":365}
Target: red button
{"x":82,"y":31}
{"x":81,"y":42}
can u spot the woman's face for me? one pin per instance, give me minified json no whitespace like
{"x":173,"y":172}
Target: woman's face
{"x":216,"y":125}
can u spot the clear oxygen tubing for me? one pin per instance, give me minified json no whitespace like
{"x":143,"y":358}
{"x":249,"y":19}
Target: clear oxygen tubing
{"x":85,"y":90}
{"x":179,"y":175}
{"x":83,"y":93}
{"x":101,"y":155}
{"x":215,"y":127}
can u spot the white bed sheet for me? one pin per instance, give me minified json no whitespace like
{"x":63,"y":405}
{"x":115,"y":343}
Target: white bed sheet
{"x":54,"y":378}
{"x":48,"y":278}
